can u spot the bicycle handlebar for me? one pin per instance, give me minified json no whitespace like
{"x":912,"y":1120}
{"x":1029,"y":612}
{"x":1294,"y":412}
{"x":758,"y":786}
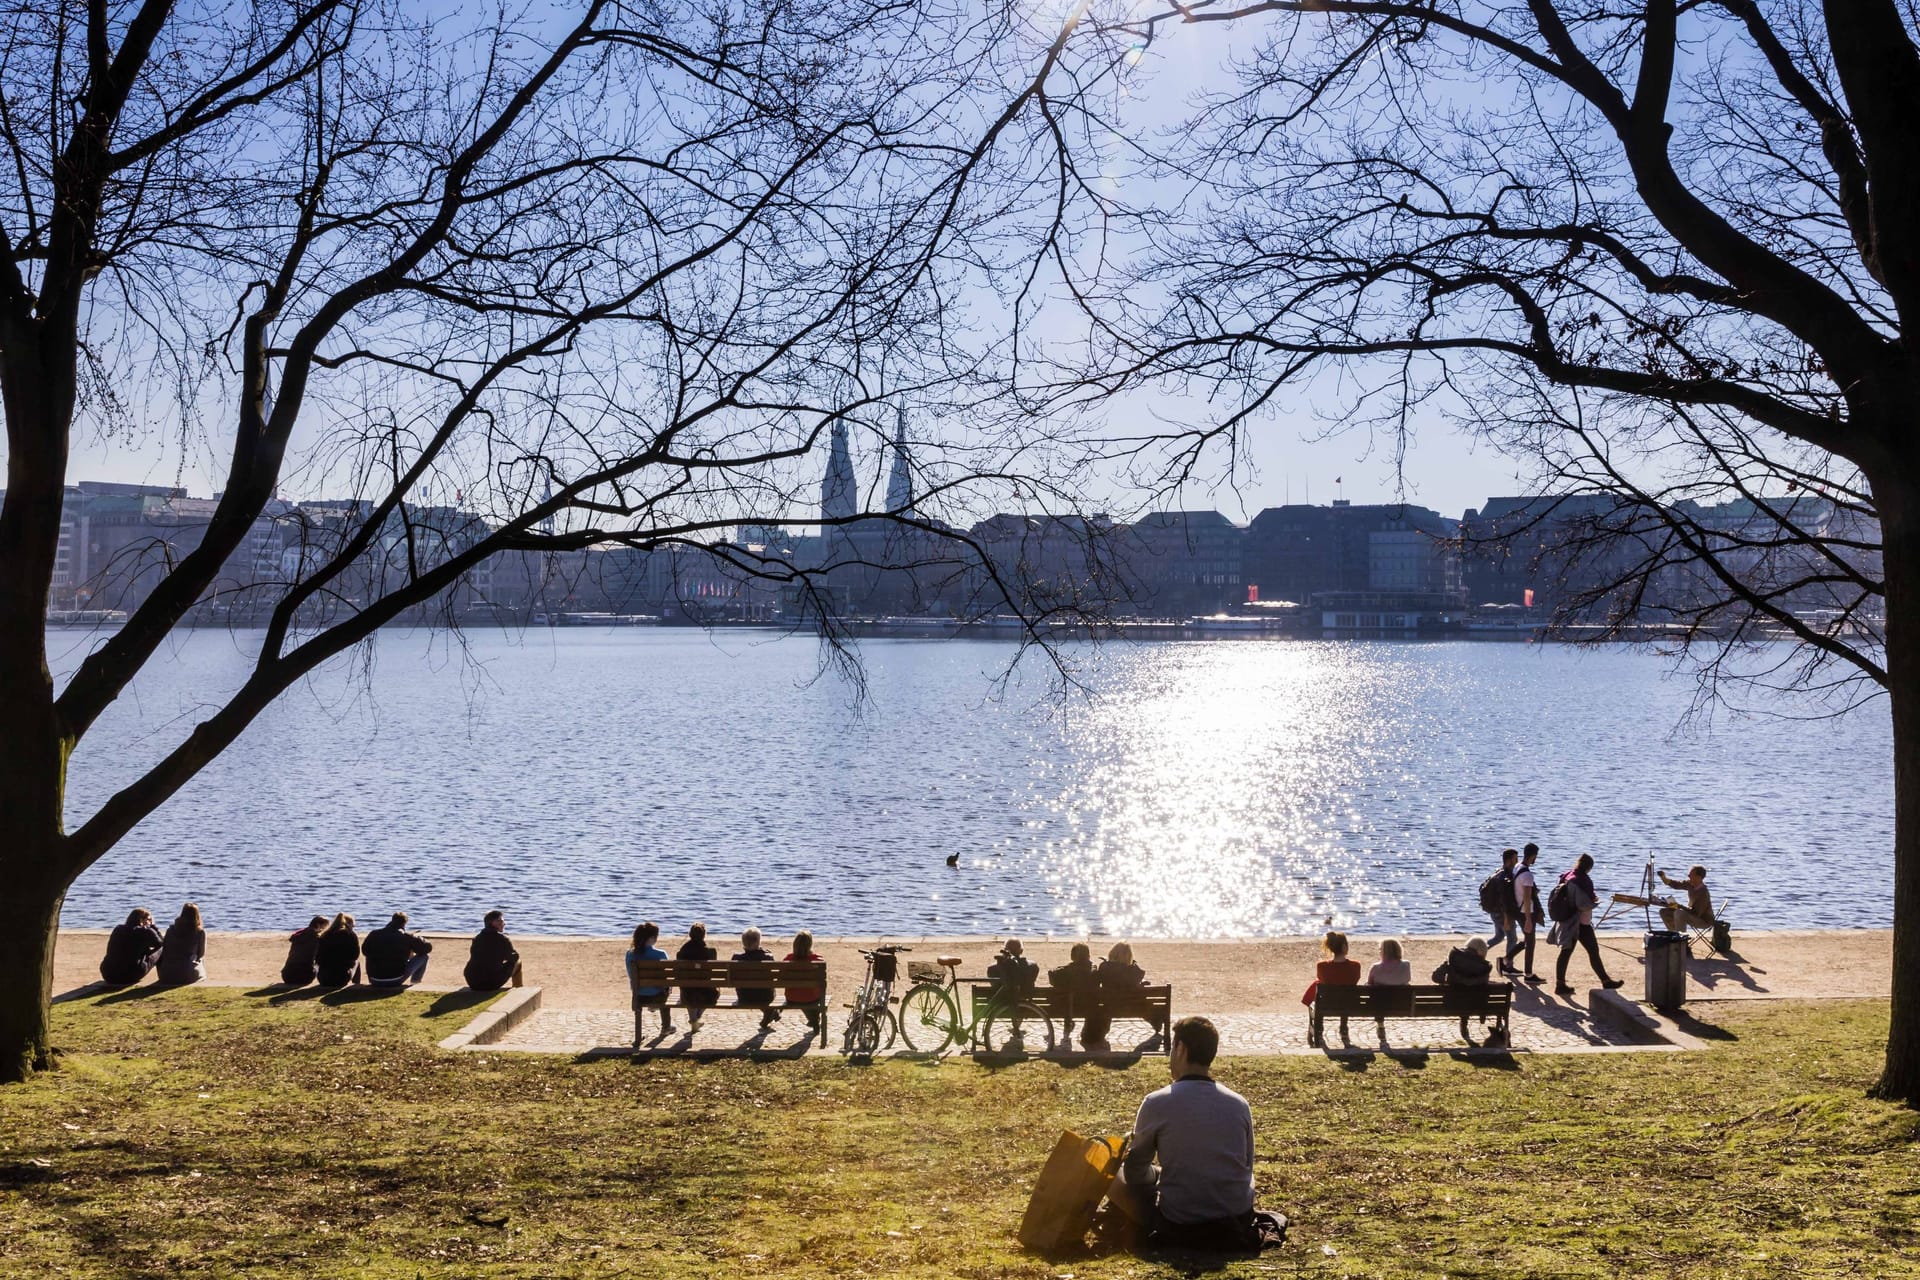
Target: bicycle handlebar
{"x":887,"y":950}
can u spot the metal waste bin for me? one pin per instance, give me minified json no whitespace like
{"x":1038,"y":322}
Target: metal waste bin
{"x":1666,"y":969}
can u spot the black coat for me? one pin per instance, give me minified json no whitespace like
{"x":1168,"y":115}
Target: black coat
{"x":387,"y":950}
{"x":336,"y":957}
{"x":691,"y":950}
{"x":130,"y":953}
{"x":756,"y":995}
{"x":1462,"y":968}
{"x":490,"y":961}
{"x":298,"y":971}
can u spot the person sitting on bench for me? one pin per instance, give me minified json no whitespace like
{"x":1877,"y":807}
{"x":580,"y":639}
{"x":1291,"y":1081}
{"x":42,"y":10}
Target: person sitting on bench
{"x":751,"y":952}
{"x":302,"y":947}
{"x":393,"y":956}
{"x":492,"y":962}
{"x":802,"y":953}
{"x":1336,"y":968}
{"x":1698,"y":913}
{"x":1466,"y":966}
{"x":133,"y":949}
{"x":1075,"y":977}
{"x":698,"y":999}
{"x":1011,"y":973}
{"x":645,"y":935}
{"x":1200,"y":1135}
{"x":1117,"y":974}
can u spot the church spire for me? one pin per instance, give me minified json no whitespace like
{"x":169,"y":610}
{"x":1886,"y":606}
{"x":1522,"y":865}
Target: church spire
{"x":900,"y":480}
{"x":837,"y":497}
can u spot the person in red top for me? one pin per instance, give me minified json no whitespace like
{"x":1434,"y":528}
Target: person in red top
{"x":1336,"y":969}
{"x":802,"y":953}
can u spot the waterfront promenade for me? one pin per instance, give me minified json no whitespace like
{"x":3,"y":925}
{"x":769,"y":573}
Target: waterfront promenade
{"x":1250,"y":986}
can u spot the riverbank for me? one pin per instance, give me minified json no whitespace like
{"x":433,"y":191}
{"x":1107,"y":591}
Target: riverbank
{"x":1208,"y":975}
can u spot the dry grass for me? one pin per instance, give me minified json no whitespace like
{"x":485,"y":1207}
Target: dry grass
{"x":210,"y":1132}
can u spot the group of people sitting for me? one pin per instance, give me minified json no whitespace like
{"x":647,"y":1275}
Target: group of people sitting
{"x":327,"y":951}
{"x":1466,"y":965}
{"x":1086,"y":983}
{"x":697,"y":1000}
{"x":138,"y":948}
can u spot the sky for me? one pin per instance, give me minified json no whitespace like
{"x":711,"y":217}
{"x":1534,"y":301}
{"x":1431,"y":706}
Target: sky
{"x":1293,"y":454}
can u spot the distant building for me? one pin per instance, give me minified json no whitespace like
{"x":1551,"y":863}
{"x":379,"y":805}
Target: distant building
{"x":1296,"y":552}
{"x":1179,"y":564}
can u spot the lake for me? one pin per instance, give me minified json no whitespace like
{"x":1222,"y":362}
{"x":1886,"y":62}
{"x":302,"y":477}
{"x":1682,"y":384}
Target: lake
{"x":586,"y":779}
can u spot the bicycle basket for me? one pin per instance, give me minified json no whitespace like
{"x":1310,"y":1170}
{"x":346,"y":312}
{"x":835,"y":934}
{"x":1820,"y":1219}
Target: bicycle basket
{"x":886,"y":967}
{"x":925,"y":971}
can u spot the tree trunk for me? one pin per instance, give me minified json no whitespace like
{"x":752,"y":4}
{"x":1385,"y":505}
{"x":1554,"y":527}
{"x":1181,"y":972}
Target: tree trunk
{"x":1899,"y":513}
{"x":29,"y":924}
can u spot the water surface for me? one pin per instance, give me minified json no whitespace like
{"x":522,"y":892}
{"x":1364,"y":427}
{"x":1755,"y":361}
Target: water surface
{"x":586,"y":779}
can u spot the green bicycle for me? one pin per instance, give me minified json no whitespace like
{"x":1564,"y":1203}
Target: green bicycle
{"x":1000,"y":1021}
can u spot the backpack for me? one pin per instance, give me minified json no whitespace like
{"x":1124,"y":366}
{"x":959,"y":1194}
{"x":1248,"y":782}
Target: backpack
{"x":1496,"y":893}
{"x":1560,"y":908}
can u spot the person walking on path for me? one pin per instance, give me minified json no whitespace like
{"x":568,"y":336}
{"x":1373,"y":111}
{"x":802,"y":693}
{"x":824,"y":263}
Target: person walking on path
{"x":336,"y":958}
{"x":395,"y":957}
{"x":1496,"y":899}
{"x":1527,"y":909}
{"x":300,"y":967}
{"x":1187,"y":1180}
{"x":1574,"y":923}
{"x":492,"y":961}
{"x":133,"y":948}
{"x":184,"y":950}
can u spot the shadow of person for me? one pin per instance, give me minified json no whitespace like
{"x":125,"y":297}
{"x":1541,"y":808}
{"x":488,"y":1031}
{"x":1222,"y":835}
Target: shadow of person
{"x":454,"y":1001}
{"x":360,"y":994}
{"x":269,"y":991}
{"x":124,"y":994}
{"x":1715,"y":970}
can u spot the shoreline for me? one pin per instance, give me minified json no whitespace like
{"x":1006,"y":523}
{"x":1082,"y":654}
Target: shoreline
{"x":584,"y":971}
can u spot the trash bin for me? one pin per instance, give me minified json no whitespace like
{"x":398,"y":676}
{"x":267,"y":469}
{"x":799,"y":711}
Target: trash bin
{"x":1666,"y":969}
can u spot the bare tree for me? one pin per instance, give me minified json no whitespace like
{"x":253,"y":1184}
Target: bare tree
{"x":1668,"y":248}
{"x":606,"y":276}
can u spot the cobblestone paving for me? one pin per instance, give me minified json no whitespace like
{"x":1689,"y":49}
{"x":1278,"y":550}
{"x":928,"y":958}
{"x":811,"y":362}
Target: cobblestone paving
{"x":1540,"y":1025}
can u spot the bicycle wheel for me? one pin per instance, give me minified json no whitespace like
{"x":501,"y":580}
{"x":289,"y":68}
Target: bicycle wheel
{"x":927,"y":1019}
{"x":870,"y":1032}
{"x":1020,"y":1029}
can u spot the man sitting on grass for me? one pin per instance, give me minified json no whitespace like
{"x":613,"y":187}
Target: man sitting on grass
{"x":395,"y":957}
{"x":1201,"y":1135}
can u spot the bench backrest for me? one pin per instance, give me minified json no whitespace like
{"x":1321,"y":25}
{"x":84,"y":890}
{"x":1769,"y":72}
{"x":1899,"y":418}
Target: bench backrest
{"x":1412,"y":1001}
{"x":730,"y":973}
{"x":1133,"y":1002}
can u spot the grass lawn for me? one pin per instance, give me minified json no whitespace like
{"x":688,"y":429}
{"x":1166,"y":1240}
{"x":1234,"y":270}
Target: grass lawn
{"x":210,"y":1132}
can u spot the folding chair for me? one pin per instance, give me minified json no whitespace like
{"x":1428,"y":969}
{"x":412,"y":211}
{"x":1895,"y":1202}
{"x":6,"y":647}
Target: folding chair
{"x":1700,"y":936}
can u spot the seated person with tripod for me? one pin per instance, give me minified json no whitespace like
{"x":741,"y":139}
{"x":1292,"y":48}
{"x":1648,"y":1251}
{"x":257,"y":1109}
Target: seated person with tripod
{"x":1698,"y":913}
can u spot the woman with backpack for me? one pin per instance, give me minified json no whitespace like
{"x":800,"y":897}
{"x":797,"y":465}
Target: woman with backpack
{"x":1571,"y":905}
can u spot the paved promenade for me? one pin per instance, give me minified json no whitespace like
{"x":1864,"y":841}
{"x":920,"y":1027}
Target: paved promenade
{"x":1250,"y":987}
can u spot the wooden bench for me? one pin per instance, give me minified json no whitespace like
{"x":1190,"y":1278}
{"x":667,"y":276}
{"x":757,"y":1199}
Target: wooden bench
{"x":1490,"y":1002}
{"x":1151,"y":1005}
{"x":675,"y":976}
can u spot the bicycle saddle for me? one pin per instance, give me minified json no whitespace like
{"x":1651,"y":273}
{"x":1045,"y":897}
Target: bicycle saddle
{"x":952,"y":962}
